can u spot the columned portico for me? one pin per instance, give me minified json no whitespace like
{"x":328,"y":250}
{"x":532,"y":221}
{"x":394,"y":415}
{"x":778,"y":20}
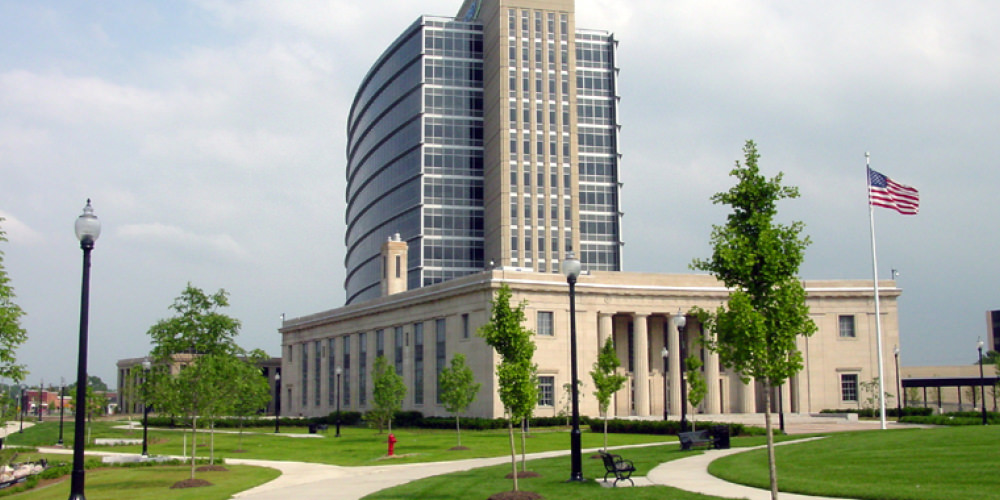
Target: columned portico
{"x":641,"y":360}
{"x":604,"y":327}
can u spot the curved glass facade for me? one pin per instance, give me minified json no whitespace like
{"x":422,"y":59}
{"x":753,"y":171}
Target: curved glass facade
{"x":415,"y":158}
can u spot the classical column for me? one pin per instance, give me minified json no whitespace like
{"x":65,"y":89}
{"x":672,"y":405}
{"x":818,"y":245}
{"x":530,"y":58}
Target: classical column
{"x":748,"y":397}
{"x":641,"y":359}
{"x":786,"y":396}
{"x":674,"y":360}
{"x":604,"y":327}
{"x":713,"y":404}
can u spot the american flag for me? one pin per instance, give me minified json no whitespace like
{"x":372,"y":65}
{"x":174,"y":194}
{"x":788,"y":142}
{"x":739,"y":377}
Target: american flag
{"x":886,"y":193}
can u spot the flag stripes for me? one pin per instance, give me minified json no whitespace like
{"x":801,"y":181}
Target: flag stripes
{"x":887,"y":193}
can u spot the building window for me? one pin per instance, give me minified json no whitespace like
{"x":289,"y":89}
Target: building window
{"x":305,"y":374}
{"x":398,"y":350}
{"x":439,"y":352}
{"x":847,"y":327}
{"x":546,"y":390}
{"x":379,"y":343}
{"x":362,"y":369}
{"x":418,"y":363}
{"x":345,"y":387}
{"x":544,"y":326}
{"x":849,"y":387}
{"x":331,"y":369}
{"x":465,"y":326}
{"x":317,"y":350}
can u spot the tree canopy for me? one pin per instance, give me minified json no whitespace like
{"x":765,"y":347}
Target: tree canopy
{"x":458,"y":389}
{"x":388,"y":392}
{"x":12,"y":335}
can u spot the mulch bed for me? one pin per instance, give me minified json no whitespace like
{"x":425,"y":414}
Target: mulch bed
{"x":190,"y":483}
{"x":458,"y":448}
{"x":516,"y":495}
{"x":212,"y":468}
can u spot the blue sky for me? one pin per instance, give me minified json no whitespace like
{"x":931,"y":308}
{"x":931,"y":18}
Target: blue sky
{"x":211,"y":133}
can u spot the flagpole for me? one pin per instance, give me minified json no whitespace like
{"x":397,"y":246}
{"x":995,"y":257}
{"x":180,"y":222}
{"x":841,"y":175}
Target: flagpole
{"x":878,"y":316}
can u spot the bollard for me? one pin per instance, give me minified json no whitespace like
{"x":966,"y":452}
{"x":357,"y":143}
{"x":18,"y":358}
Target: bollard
{"x":392,"y":444}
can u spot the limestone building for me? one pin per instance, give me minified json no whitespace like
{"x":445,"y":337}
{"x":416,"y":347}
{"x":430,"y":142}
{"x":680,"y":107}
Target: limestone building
{"x":481,"y":149}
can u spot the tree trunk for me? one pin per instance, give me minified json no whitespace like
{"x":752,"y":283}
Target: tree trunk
{"x":524,"y":465}
{"x":194,"y":442}
{"x":605,"y":432}
{"x":458,"y":430}
{"x":771,"y":466}
{"x":513,"y":451}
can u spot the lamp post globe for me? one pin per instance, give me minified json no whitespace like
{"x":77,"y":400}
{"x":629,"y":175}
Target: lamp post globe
{"x":88,"y":229}
{"x":681,"y":321}
{"x":571,"y":269}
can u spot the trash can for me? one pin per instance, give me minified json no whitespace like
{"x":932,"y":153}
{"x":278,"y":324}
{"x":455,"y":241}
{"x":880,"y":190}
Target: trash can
{"x":720,"y":437}
{"x":312,"y":428}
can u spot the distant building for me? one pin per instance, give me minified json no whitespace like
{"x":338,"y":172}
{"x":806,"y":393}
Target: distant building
{"x":130,"y":378}
{"x":992,"y":331}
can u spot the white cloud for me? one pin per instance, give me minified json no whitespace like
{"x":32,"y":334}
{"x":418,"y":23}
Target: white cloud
{"x":165,"y":236}
{"x":19,"y":233}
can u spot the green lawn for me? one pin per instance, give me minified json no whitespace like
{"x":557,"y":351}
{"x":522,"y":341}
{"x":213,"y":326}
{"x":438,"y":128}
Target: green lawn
{"x":153,"y":483}
{"x":356,"y":446}
{"x":914,"y":464}
{"x":553,"y":472}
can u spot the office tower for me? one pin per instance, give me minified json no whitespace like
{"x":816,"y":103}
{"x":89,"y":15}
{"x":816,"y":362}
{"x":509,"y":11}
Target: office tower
{"x":486,"y":138}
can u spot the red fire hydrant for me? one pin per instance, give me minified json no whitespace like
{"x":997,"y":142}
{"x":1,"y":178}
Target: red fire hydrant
{"x":392,"y":444}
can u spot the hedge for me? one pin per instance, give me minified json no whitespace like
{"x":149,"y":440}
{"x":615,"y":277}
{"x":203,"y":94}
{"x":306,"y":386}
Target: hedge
{"x":909,"y":411}
{"x":669,"y":427}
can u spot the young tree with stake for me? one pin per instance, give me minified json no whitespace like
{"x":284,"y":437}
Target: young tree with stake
{"x":758,"y":260}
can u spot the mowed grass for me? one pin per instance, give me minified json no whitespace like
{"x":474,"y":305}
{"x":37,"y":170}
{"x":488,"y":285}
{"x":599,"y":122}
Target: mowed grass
{"x":153,"y":483}
{"x":552,"y":482}
{"x":914,"y":464}
{"x":355,"y":447}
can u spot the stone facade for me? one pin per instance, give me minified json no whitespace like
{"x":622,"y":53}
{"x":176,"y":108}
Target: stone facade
{"x":434,"y":323}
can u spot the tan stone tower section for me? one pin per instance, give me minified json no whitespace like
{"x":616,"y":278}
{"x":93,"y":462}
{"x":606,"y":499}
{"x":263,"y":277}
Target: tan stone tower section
{"x":394,"y":254}
{"x":529,"y":87}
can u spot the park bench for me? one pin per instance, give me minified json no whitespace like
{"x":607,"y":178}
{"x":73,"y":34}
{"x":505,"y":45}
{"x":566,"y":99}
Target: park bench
{"x":717,"y":437}
{"x":620,"y":467}
{"x":694,"y":438}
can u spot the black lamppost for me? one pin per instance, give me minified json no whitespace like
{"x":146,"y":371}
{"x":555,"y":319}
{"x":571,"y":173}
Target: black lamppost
{"x":680,"y":320}
{"x":62,"y":404}
{"x":277,"y":400}
{"x":88,"y":228}
{"x":982,"y":379}
{"x":665,"y":353}
{"x":338,"y":370}
{"x":571,"y":268}
{"x":146,"y":365}
{"x":899,"y":388}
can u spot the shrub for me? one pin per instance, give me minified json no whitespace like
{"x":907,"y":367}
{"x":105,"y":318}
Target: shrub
{"x":668,"y":427}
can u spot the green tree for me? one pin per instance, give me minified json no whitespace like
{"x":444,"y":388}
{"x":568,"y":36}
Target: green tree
{"x":697,"y":388}
{"x":758,"y":260}
{"x":870,"y":390}
{"x":191,"y":353}
{"x":388,"y":391}
{"x":607,"y":380}
{"x":517,"y":388}
{"x":458,"y":389}
{"x":250,"y":389}
{"x":12,"y":335}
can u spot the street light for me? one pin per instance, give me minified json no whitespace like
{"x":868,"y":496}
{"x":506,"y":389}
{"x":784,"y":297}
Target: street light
{"x":277,"y":399}
{"x":88,"y":228}
{"x":982,"y":381}
{"x":680,"y":320}
{"x":62,"y":404}
{"x":571,"y":268}
{"x":145,"y":407}
{"x":338,"y":370}
{"x":664,"y":352}
{"x":899,"y":389}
